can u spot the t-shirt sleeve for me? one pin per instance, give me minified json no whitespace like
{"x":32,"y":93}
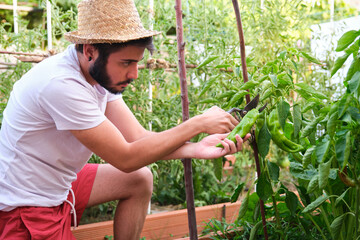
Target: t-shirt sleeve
{"x":113,"y":97}
{"x":71,"y":104}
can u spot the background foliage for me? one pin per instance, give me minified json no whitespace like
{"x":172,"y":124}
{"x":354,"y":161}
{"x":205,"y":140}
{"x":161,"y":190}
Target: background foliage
{"x":278,"y":56}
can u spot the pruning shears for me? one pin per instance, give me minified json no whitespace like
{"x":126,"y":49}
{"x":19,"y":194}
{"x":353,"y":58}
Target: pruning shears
{"x":240,"y":113}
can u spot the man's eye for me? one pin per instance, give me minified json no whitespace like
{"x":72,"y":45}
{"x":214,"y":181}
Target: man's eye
{"x":125,"y":64}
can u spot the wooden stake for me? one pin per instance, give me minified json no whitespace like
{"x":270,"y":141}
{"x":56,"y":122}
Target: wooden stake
{"x":185,"y":115}
{"x":23,"y":53}
{"x":245,"y":76}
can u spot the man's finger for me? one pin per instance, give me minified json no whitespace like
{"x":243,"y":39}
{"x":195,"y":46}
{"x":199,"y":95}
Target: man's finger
{"x":239,"y":142}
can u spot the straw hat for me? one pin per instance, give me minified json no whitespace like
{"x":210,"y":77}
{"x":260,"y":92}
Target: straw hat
{"x":108,"y":21}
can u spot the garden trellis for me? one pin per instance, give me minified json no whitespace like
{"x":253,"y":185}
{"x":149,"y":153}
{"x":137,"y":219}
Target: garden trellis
{"x":48,"y":17}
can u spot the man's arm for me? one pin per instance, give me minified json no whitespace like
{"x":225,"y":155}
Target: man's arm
{"x":123,"y":142}
{"x":121,"y":116}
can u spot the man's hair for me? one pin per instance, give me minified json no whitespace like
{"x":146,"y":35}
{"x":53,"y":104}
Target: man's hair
{"x":105,"y":49}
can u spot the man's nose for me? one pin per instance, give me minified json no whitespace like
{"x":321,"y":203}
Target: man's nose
{"x":133,"y":71}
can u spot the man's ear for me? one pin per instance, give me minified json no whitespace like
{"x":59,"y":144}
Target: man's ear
{"x":89,"y":51}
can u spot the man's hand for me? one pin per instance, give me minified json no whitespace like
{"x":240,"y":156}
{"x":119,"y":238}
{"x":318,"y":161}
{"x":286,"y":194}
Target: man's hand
{"x":216,"y":120}
{"x":205,"y":149}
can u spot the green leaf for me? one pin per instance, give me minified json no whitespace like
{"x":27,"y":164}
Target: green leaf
{"x":263,"y":78}
{"x":264,"y":139}
{"x":237,"y":192}
{"x":311,"y":90}
{"x":223,"y":66}
{"x":236,"y":98}
{"x":283,"y":109}
{"x":313,"y":184}
{"x":263,"y":188}
{"x":268,"y":92}
{"x":353,"y":49}
{"x":207,"y":61}
{"x":226,"y":94}
{"x":274,"y":171}
{"x":282,"y":54}
{"x":288,"y":130}
{"x":315,"y":204}
{"x":324,"y":171}
{"x":305,"y":198}
{"x":307,"y":156}
{"x":310,"y":58}
{"x":254,"y":230}
{"x":303,"y":93}
{"x":297,"y":170}
{"x":354,"y":67}
{"x":354,"y":84}
{"x":291,"y":201}
{"x":208,"y":84}
{"x":208,"y":100}
{"x":244,"y":206}
{"x":322,"y":150}
{"x":218,"y":165}
{"x":346,"y":39}
{"x":341,"y":197}
{"x":256,"y":212}
{"x":331,"y":124}
{"x":344,"y":104}
{"x":311,"y":127}
{"x":339,"y":63}
{"x":297,"y":119}
{"x":273,"y":79}
{"x":342,"y":149}
{"x":295,"y":65}
{"x":249,"y":85}
{"x":309,"y":106}
{"x":336,"y":226}
{"x":284,"y":79}
{"x":347,"y":149}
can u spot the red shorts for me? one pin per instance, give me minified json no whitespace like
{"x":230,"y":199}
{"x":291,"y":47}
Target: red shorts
{"x":49,"y":222}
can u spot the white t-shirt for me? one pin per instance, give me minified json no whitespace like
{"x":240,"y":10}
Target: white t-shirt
{"x":39,"y":157}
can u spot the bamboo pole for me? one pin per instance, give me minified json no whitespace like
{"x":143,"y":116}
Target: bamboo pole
{"x":23,"y":53}
{"x":18,"y":8}
{"x":16,"y":24}
{"x":48,"y":22}
{"x":151,"y":27}
{"x":185,"y":113}
{"x":245,"y":76}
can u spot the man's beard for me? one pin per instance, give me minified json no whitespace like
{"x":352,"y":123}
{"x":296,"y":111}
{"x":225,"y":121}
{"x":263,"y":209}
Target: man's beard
{"x":98,"y":72}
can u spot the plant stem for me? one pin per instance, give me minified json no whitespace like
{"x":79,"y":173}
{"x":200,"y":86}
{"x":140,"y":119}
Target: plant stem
{"x":278,"y":226}
{"x":350,"y":223}
{"x":185,"y":115}
{"x":357,"y":211}
{"x":317,"y":226}
{"x":324,"y":215}
{"x":258,"y":170}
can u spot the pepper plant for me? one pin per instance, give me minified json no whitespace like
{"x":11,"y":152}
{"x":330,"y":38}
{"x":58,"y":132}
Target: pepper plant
{"x":321,"y":137}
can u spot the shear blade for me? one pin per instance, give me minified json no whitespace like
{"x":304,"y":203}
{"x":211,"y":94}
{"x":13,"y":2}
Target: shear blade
{"x":252,"y":104}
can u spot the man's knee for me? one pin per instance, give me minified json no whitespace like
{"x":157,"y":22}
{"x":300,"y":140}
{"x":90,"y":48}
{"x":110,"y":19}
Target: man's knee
{"x":143,"y":181}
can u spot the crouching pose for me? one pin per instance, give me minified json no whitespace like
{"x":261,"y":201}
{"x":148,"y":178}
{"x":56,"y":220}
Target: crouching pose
{"x":68,"y":107}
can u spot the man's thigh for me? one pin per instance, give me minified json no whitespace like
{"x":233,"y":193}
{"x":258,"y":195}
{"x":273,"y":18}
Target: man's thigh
{"x":112,"y":184}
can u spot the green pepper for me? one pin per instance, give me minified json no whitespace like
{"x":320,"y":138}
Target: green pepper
{"x":244,"y":126}
{"x":278,"y":136}
{"x":259,"y":124}
{"x":283,"y":162}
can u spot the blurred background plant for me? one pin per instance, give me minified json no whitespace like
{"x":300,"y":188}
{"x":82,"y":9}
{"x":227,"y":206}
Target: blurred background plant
{"x":277,"y":37}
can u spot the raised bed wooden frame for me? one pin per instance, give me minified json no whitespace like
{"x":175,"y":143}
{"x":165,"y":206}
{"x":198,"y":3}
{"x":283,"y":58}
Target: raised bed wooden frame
{"x":167,"y":225}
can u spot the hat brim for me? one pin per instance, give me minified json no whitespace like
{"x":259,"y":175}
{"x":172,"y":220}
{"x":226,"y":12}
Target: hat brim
{"x":76,"y":38}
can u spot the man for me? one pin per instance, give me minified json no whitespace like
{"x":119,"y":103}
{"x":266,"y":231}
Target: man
{"x":68,"y":107}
